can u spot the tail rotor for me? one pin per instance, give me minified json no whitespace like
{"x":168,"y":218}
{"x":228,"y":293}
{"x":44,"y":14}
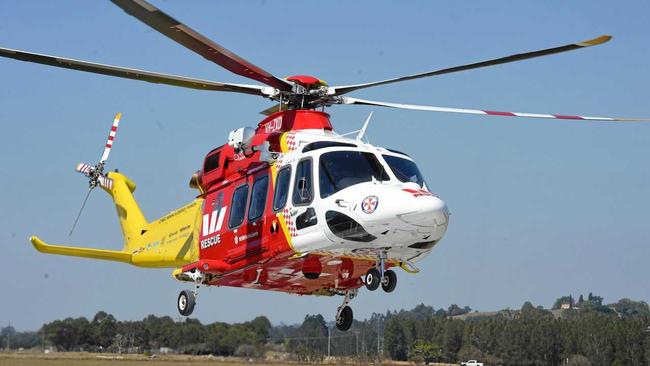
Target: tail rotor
{"x":95,"y":174}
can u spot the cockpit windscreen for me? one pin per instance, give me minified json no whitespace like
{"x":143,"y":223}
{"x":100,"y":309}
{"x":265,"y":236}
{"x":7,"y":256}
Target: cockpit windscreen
{"x":341,"y":169}
{"x":404,"y":169}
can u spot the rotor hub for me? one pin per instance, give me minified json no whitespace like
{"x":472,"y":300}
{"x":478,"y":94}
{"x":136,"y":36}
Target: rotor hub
{"x":307,"y":81}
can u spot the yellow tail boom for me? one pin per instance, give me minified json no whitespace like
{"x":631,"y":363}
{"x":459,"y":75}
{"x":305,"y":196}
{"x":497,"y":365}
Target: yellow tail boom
{"x":168,"y":242}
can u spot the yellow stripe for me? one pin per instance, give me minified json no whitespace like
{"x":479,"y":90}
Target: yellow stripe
{"x":280,"y":215}
{"x":595,"y":41}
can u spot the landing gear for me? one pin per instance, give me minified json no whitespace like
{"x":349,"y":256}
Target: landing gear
{"x":344,"y":315}
{"x":187,"y":298}
{"x":186,"y":302}
{"x":381,"y":276}
{"x":389,"y":282}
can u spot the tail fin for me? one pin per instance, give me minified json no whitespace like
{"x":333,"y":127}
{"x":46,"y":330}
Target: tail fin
{"x":131,"y":218}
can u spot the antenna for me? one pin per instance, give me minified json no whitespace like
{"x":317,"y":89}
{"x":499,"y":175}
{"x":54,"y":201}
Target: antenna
{"x":95,"y":174}
{"x":362,"y":131}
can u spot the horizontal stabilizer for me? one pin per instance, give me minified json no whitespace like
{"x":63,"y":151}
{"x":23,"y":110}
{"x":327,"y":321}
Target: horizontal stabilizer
{"x":109,"y":255}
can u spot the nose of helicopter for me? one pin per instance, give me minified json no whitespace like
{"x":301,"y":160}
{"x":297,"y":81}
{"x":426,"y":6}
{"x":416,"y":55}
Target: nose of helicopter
{"x":428,"y":214}
{"x":405,"y":214}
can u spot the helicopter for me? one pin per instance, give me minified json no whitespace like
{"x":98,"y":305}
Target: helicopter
{"x":289,"y":205}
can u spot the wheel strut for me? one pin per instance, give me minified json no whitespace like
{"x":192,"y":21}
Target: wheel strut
{"x":382,"y":263}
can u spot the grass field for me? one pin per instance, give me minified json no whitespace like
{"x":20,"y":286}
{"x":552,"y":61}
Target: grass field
{"x":93,"y":359}
{"x":99,"y":359}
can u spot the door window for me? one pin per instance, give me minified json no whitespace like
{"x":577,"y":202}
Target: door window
{"x":281,"y":188}
{"x":238,"y":210}
{"x":258,"y":198}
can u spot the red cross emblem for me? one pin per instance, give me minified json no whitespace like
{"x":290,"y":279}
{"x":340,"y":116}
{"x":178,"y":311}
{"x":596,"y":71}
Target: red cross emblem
{"x":369,"y":204}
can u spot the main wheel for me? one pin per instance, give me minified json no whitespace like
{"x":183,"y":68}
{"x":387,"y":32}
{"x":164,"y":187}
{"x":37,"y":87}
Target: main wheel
{"x":344,"y":321}
{"x":311,"y":275}
{"x":389,"y":282}
{"x":186,"y":302}
{"x":373,"y":279}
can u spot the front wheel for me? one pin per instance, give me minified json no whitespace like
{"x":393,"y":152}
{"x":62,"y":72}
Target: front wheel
{"x":373,"y":279}
{"x":389,"y":282}
{"x":186,"y":302}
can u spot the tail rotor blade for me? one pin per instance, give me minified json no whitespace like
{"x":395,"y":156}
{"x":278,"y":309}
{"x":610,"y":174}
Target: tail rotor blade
{"x":111,"y":138}
{"x":80,"y":211}
{"x":105,"y":182}
{"x":83,"y":168}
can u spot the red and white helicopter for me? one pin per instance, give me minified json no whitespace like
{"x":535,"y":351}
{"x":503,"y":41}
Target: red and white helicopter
{"x":289,"y":205}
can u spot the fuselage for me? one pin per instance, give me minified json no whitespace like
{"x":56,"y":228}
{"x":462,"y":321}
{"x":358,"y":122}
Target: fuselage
{"x":324,"y":204}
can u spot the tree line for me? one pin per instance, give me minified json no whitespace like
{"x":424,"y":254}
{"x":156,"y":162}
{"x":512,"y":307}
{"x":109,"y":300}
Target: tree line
{"x":582,"y":332}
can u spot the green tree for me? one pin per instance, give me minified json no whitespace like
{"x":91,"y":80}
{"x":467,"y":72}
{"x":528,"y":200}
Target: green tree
{"x":69,"y":334}
{"x":627,"y":308}
{"x":455,"y":310}
{"x":103,"y":329}
{"x":563,"y":300}
{"x":395,"y":341}
{"x":423,"y":351}
{"x":309,"y":340}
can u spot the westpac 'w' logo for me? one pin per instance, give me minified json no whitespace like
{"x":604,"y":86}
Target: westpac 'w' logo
{"x":213,"y":221}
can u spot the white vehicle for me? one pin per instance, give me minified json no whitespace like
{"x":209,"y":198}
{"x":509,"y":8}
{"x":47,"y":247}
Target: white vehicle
{"x":471,"y":363}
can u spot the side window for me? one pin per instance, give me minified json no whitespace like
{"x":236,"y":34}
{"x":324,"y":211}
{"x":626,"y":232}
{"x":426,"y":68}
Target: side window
{"x":238,"y":203}
{"x":302,"y":185}
{"x":281,"y":188}
{"x":211,"y":162}
{"x":258,"y":198}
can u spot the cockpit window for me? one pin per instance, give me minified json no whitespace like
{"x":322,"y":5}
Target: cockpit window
{"x":341,"y":169}
{"x":404,"y":169}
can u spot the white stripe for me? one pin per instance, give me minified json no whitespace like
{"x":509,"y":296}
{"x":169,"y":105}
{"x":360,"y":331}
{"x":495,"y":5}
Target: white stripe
{"x":534,"y":115}
{"x":600,"y":118}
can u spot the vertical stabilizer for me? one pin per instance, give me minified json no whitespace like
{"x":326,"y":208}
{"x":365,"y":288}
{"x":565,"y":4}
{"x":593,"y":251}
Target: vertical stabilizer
{"x":131,"y":218}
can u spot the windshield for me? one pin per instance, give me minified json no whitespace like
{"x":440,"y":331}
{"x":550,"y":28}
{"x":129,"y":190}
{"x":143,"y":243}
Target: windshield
{"x":404,"y":169}
{"x":341,"y":169}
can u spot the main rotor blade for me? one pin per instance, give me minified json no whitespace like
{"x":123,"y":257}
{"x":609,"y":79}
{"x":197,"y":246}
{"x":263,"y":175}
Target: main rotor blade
{"x":186,"y":36}
{"x":339,"y":90}
{"x":123,"y":72}
{"x":355,"y":101}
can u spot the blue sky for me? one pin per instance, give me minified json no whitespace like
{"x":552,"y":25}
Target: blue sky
{"x":539,"y":208}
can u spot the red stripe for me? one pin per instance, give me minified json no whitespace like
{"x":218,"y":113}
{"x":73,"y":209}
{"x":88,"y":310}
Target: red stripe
{"x":497,"y":113}
{"x":114,"y":128}
{"x":566,"y":117}
{"x":109,"y":146}
{"x":111,"y":138}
